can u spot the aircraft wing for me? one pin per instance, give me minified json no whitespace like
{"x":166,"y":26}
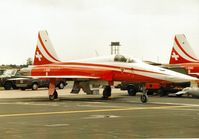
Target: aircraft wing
{"x":66,"y":77}
{"x":74,"y":73}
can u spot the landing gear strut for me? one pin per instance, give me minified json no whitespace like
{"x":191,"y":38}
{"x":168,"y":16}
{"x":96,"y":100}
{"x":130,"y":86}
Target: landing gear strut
{"x":144,"y":96}
{"x":52,"y":90}
{"x":106,"y":92}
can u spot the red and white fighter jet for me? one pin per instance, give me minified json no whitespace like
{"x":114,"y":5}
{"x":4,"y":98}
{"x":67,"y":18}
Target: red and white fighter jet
{"x":98,"y":71}
{"x":183,"y":55}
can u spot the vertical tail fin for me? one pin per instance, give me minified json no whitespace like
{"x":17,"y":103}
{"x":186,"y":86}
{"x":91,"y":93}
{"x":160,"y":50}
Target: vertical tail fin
{"x":182,"y":51}
{"x":44,"y":53}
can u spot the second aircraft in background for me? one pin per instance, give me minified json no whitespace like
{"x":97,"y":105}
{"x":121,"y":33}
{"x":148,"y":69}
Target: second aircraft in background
{"x":183,"y":55}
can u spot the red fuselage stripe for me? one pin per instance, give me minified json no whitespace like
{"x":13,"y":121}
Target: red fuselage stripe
{"x":96,"y":66}
{"x":108,"y":75}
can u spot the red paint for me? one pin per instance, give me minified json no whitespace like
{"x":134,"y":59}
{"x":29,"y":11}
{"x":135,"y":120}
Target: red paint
{"x":108,"y":75}
{"x":152,"y":85}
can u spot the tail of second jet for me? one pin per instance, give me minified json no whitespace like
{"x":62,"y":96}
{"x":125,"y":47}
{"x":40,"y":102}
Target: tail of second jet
{"x":182,"y":51}
{"x":44,"y":53}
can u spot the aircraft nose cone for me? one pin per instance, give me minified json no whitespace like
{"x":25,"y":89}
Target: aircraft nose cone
{"x":180,"y":78}
{"x":187,"y":78}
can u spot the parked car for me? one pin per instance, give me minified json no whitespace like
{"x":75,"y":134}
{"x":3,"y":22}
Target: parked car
{"x":9,"y":74}
{"x":35,"y":83}
{"x":1,"y":71}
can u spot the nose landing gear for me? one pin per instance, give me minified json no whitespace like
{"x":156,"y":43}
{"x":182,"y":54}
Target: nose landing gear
{"x":144,"y":96}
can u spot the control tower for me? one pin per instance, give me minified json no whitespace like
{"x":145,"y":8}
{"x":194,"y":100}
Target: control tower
{"x":115,"y":48}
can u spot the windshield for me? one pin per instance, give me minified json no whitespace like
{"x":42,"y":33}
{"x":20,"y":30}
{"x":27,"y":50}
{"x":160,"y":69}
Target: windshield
{"x":120,"y":58}
{"x":131,"y":60}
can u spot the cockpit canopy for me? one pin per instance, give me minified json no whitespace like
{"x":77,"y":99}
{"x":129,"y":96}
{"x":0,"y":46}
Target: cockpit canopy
{"x":125,"y":59}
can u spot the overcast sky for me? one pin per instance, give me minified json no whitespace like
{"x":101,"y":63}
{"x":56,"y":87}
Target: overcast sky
{"x":79,"y":28}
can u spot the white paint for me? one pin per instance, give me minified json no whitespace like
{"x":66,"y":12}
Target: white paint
{"x":44,"y":53}
{"x":38,"y":56}
{"x":175,"y":56}
{"x":100,"y":116}
{"x":182,"y":54}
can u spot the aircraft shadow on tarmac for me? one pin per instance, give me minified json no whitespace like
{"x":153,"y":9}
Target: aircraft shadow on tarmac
{"x":118,"y":99}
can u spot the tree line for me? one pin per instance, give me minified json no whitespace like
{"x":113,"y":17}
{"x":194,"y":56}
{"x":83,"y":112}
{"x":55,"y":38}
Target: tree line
{"x":15,"y":66}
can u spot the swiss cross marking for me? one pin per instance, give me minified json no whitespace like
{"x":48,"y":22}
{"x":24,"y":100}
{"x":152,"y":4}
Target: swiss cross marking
{"x":175,"y":56}
{"x":38,"y":56}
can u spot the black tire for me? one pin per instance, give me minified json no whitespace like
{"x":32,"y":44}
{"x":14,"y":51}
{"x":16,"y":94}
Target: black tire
{"x":61,"y":85}
{"x":14,"y":86}
{"x":144,"y":98}
{"x":8,"y":85}
{"x":35,"y":86}
{"x":53,"y":96}
{"x":107,"y":92}
{"x":131,"y":91}
{"x":56,"y":94}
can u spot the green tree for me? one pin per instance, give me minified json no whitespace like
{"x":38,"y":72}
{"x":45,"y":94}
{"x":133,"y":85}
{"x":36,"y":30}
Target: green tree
{"x":29,"y":61}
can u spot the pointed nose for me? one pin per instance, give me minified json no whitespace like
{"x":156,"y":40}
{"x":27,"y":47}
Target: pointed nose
{"x":183,"y":78}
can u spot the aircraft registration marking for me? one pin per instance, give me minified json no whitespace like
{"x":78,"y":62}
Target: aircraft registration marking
{"x":90,"y":111}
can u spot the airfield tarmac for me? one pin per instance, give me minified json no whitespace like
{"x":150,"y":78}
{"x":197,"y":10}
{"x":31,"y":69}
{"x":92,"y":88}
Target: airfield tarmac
{"x":29,"y":114}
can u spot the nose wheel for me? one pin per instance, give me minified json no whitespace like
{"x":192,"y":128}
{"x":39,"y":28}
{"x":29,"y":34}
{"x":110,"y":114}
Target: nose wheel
{"x":144,"y":98}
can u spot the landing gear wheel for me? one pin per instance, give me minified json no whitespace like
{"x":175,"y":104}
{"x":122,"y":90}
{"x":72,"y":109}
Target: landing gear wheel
{"x":106,"y":92}
{"x":53,"y":96}
{"x":144,"y":98}
{"x":131,"y":91}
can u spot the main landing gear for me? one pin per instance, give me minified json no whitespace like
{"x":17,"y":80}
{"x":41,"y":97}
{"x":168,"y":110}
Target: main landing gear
{"x":53,"y":96}
{"x":106,"y":92}
{"x":52,"y":90}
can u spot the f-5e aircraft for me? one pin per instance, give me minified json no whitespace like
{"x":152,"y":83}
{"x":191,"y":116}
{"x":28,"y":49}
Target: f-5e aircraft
{"x":182,"y":54}
{"x":98,"y":71}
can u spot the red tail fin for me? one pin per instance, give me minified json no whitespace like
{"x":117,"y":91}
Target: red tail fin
{"x":181,"y":51}
{"x":44,"y":53}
